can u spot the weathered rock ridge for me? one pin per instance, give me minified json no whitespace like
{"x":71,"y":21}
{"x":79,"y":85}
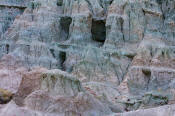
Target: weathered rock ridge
{"x":86,"y":57}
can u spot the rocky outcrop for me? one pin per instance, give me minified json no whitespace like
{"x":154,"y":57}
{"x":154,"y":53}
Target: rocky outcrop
{"x":62,"y":94}
{"x":52,"y":91}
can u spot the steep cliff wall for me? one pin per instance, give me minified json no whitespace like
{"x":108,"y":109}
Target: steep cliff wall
{"x":120,"y":51}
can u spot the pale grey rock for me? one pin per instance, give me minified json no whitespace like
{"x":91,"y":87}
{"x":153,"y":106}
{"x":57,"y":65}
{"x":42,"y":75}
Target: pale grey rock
{"x":167,"y":110}
{"x":7,"y":16}
{"x":13,"y":109}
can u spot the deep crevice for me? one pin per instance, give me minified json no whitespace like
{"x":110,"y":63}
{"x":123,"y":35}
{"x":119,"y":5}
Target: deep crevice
{"x":65,"y":24}
{"x":122,"y":30}
{"x":13,"y":6}
{"x":98,"y":30}
{"x":52,"y":52}
{"x":62,"y":57}
{"x":7,"y":48}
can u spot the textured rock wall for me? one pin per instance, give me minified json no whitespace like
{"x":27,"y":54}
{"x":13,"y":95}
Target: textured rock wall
{"x":118,"y":53}
{"x":9,"y":10}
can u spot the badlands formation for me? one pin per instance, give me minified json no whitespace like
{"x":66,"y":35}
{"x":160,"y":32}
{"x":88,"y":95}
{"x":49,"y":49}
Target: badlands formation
{"x":87,"y":57}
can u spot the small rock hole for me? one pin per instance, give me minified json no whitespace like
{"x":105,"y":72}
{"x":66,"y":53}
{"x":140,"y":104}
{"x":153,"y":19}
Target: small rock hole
{"x":146,"y":72}
{"x":62,"y":57}
{"x":7,"y":48}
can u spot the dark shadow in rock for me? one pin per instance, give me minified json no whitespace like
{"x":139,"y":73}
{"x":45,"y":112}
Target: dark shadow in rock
{"x":147,"y":76}
{"x":146,"y":72}
{"x":65,"y":24}
{"x":52,"y":52}
{"x":7,"y":48}
{"x":59,"y":2}
{"x":62,"y":57}
{"x":98,"y":30}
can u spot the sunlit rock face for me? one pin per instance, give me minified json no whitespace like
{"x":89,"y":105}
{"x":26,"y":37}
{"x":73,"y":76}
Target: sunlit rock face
{"x":86,"y":57}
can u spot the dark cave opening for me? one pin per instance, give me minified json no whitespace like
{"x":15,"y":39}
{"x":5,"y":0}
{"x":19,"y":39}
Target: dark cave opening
{"x":65,"y":24}
{"x":7,"y":48}
{"x":62,"y":58}
{"x":98,"y":30}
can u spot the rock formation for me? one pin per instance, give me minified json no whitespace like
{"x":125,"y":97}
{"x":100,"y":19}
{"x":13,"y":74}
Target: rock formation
{"x":87,"y":57}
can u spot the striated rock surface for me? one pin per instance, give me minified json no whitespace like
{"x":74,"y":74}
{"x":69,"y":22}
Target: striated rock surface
{"x":62,"y":94}
{"x":9,"y":10}
{"x":87,"y":57}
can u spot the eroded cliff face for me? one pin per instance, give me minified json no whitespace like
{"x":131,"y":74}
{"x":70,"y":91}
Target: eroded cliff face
{"x":86,"y":57}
